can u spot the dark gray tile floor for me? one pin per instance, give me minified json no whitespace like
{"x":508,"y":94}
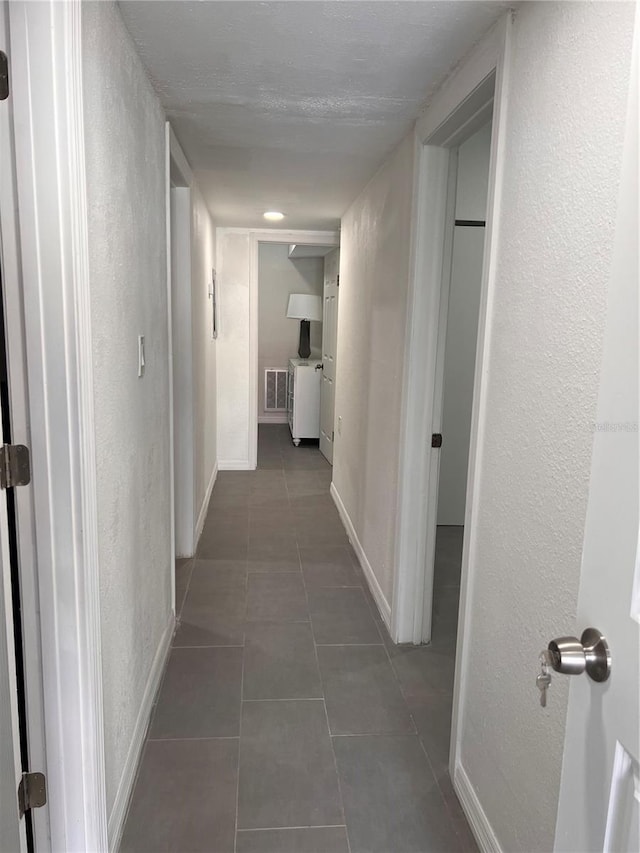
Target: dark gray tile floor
{"x":287,"y":720}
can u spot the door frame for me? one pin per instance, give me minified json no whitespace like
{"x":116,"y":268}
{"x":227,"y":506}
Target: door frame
{"x":180,"y":180}
{"x":46,"y":61}
{"x":269,"y":235}
{"x":335,"y":346}
{"x":463,"y":105}
{"x":477,"y":91}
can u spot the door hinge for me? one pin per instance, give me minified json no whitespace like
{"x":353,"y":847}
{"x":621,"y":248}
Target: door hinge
{"x":15,"y":466}
{"x":32,"y":792}
{"x":4,"y":76}
{"x":436,"y":439}
{"x":332,"y":435}
{"x":338,"y":280}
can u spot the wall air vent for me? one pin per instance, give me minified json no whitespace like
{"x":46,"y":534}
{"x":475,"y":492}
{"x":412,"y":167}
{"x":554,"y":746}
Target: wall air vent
{"x":275,"y":390}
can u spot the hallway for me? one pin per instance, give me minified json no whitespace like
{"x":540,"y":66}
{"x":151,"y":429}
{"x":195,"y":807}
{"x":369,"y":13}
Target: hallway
{"x":287,"y":721}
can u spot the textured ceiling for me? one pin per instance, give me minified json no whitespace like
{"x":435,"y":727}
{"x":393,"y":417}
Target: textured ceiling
{"x":293,"y":105}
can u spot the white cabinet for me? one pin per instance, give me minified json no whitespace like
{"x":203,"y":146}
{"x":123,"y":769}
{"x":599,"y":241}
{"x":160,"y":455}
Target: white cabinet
{"x":303,"y":401}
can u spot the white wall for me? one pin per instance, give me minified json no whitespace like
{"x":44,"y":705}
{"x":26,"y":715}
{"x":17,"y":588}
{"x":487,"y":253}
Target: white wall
{"x":462,"y":325}
{"x":203,"y":254}
{"x":194,"y":363}
{"x":125,"y":150}
{"x":568,"y":83}
{"x":233,"y":253}
{"x":193,"y":249}
{"x":568,"y":78}
{"x":331,"y":266}
{"x":374,"y":275}
{"x":278,"y":336}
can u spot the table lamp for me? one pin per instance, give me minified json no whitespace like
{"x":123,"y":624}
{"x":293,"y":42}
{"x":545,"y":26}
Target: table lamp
{"x":304,"y":307}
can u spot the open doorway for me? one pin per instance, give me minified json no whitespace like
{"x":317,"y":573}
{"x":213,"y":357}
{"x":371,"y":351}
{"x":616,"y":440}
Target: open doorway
{"x":301,"y":244}
{"x":458,"y":333}
{"x":460,"y":115}
{"x":289,"y":284}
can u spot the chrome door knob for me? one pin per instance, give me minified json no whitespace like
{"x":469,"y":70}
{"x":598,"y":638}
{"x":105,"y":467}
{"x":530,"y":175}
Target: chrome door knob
{"x":573,"y":656}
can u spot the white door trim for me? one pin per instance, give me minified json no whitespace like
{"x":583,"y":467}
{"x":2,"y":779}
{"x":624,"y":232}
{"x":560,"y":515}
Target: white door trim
{"x":461,"y":106}
{"x":257,"y":236}
{"x":172,"y":468}
{"x":431,"y":190}
{"x":330,"y":309}
{"x":478,"y":414}
{"x":46,"y":44}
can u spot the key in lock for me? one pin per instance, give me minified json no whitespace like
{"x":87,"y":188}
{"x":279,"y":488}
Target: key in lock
{"x":543,"y":679}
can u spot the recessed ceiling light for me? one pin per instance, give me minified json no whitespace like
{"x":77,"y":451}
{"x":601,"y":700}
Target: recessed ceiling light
{"x":273,"y":215}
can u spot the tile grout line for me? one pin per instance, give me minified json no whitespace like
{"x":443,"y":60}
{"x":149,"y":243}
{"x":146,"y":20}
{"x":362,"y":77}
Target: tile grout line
{"x":235,"y":831}
{"x":244,"y":637}
{"x":172,"y":646}
{"x":335,"y":765}
{"x":379,"y":630}
{"x":324,"y":705}
{"x":311,"y":826}
{"x":288,"y":699}
{"x":390,"y":733}
{"x":398,"y":682}
{"x":278,"y":621}
{"x":219,"y":646}
{"x":451,"y":820}
{"x":420,"y":740}
{"x":315,"y":645}
{"x":381,"y":627}
{"x":173,"y":739}
{"x":178,"y":615}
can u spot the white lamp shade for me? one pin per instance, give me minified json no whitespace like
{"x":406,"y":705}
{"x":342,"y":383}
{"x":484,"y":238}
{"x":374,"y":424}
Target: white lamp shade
{"x":305,"y":306}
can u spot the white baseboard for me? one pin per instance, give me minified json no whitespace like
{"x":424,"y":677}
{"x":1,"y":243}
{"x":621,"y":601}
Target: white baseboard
{"x":234,"y":465}
{"x":478,"y":820}
{"x":202,"y":515}
{"x":125,"y":788}
{"x":376,"y":591}
{"x":279,"y":418}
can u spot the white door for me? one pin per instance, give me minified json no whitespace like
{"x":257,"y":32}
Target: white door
{"x":12,"y":828}
{"x":599,"y":801}
{"x":329,"y":342}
